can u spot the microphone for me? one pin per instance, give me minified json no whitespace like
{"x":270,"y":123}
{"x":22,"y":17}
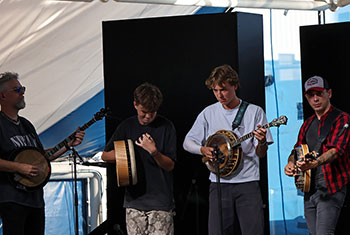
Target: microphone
{"x":342,"y":130}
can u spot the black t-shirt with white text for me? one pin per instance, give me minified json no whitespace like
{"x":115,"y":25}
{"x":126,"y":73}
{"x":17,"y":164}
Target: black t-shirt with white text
{"x":12,"y":137}
{"x":154,"y":189}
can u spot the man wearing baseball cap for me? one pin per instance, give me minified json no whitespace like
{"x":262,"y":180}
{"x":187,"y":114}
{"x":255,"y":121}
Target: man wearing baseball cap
{"x":326,"y":132}
{"x":316,"y":83}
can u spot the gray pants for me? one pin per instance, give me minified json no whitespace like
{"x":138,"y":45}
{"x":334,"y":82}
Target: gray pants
{"x":322,"y":210}
{"x":244,"y":199}
{"x":149,"y":222}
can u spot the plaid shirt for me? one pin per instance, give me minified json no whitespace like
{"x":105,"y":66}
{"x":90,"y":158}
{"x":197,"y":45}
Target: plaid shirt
{"x":337,"y":172}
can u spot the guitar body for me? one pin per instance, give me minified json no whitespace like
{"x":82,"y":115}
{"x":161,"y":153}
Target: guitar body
{"x":303,"y":178}
{"x":230,"y":157}
{"x":125,"y":162}
{"x":32,"y":156}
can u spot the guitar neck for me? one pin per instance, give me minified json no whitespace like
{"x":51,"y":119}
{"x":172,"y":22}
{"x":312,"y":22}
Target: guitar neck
{"x":65,"y":142}
{"x":248,"y":136}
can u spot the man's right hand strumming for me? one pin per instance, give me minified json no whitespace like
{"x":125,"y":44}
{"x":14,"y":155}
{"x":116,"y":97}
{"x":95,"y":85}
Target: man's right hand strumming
{"x":207,"y":152}
{"x":27,"y":170}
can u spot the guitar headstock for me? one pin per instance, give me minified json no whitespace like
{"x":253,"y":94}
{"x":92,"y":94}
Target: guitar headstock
{"x":282,"y":120}
{"x":101,"y":114}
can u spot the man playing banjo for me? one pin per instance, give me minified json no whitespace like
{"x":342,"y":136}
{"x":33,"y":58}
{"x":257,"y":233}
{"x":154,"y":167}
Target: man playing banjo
{"x":240,"y":190}
{"x":22,"y":212}
{"x":327,"y":133}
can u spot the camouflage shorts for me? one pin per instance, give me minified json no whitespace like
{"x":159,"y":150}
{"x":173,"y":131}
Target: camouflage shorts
{"x":149,"y":222}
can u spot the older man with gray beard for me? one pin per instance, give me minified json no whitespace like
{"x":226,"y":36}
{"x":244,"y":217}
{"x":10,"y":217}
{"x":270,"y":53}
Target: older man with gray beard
{"x":22,"y":212}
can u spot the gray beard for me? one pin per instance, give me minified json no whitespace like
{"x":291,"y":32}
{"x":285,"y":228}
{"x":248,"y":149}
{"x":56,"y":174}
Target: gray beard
{"x":20,"y":105}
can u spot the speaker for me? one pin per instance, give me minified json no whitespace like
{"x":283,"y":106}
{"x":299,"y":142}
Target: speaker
{"x":325,"y":51}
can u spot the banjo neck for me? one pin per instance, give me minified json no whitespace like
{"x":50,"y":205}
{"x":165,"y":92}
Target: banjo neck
{"x":64,"y":143}
{"x":239,"y":140}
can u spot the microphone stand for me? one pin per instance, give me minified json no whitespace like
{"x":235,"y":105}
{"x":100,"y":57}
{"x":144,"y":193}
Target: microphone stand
{"x":75,"y":156}
{"x":99,"y":164}
{"x":217,"y":153}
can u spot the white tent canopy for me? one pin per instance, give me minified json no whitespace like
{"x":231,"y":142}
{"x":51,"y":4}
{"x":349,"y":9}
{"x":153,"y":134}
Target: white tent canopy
{"x":318,"y":5}
{"x":56,"y":47}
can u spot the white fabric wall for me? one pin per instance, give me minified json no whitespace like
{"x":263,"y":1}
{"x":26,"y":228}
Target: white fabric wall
{"x":56,"y":47}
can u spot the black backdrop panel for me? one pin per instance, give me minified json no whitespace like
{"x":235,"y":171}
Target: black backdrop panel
{"x":177,"y":54}
{"x":325,"y":51}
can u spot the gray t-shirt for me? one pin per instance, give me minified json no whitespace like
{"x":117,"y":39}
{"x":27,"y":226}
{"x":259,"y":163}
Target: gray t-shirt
{"x":12,"y":137}
{"x":214,"y":118}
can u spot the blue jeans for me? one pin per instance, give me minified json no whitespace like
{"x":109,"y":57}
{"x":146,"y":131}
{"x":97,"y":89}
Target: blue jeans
{"x":241,"y":199}
{"x":322,"y":210}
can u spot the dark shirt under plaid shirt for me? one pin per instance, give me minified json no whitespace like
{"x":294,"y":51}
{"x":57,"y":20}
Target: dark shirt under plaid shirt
{"x":337,"y":172}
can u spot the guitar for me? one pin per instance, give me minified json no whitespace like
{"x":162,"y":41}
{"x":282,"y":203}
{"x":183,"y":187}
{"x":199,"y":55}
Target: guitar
{"x":228,"y":147}
{"x":302,"y":179}
{"x":33,"y":156}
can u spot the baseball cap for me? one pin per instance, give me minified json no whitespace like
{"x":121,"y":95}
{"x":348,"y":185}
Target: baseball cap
{"x":316,"y":83}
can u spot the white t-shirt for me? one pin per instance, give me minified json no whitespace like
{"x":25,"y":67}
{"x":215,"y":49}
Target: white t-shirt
{"x":214,"y":118}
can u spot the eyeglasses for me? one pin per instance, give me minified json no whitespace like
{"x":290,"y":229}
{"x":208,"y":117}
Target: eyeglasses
{"x":19,"y":89}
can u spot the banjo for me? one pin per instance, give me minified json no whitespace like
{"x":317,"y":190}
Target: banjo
{"x":228,"y":147}
{"x":302,"y":179}
{"x":33,"y":156}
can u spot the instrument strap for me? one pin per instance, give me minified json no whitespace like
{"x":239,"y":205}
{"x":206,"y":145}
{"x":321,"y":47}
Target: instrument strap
{"x":326,"y":129}
{"x":239,"y":115}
